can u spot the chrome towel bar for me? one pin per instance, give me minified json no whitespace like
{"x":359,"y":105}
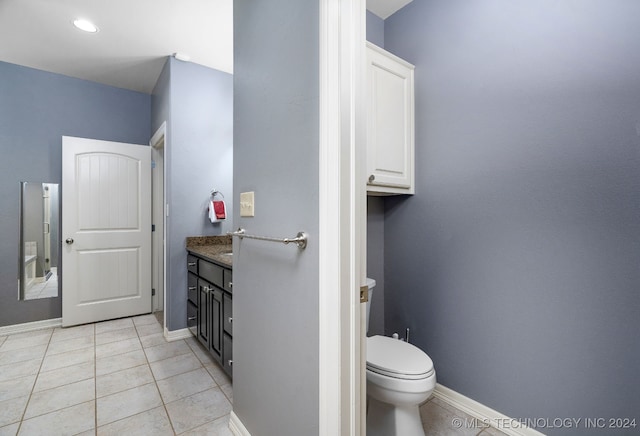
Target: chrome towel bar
{"x":300,"y":240}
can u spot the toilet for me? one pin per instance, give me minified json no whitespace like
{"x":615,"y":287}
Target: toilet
{"x":400,"y":377}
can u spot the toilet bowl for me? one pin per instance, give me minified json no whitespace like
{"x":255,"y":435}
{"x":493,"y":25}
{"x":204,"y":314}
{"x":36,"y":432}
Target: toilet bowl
{"x":400,"y":377}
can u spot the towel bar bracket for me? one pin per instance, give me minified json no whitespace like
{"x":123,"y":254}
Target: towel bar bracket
{"x":300,"y":240}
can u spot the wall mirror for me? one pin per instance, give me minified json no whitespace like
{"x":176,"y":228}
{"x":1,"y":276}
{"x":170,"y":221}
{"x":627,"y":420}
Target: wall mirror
{"x":39,"y":240}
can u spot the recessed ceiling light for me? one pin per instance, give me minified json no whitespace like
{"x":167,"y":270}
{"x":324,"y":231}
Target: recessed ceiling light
{"x":85,"y":25}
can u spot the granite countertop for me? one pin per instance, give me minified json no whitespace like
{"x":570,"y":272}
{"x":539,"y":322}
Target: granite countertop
{"x":212,"y":248}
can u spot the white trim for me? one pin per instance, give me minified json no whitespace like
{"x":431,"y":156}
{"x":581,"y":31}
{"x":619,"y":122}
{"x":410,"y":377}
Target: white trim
{"x":31,"y":326}
{"x":175,"y":335}
{"x":483,"y":413}
{"x":161,"y":135}
{"x":340,"y":243}
{"x":236,"y":426}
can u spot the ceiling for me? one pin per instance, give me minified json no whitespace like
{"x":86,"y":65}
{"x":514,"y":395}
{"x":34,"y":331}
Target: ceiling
{"x":134,"y":37}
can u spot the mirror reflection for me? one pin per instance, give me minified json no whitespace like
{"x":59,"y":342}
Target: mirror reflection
{"x":39,"y":240}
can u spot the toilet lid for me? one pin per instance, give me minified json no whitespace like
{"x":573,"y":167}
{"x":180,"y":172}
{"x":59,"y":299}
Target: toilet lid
{"x":397,"y":358}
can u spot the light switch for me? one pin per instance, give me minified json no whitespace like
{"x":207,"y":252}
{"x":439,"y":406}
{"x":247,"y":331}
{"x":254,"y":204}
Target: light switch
{"x":246,"y":204}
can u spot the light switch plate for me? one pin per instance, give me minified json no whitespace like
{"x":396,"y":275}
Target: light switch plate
{"x":246,"y":204}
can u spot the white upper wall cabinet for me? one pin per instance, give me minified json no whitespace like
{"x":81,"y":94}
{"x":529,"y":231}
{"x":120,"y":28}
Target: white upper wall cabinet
{"x":390,"y":123}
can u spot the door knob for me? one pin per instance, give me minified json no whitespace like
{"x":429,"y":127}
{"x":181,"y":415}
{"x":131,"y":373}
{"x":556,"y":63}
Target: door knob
{"x":69,"y":241}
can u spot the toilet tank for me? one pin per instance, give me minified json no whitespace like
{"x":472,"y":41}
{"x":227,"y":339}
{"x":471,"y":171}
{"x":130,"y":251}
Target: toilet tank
{"x":371,"y":283}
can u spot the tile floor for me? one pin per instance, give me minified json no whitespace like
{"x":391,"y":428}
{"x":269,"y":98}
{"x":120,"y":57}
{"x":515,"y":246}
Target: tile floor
{"x":110,"y":378}
{"x":44,"y":289}
{"x":442,"y":419}
{"x":122,"y":377}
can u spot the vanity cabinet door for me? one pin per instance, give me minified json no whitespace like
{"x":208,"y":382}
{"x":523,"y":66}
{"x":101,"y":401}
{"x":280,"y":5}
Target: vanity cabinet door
{"x":216,"y":324}
{"x":228,"y":280}
{"x":227,"y":320}
{"x":192,"y":288}
{"x":227,"y":364}
{"x":203,"y":312}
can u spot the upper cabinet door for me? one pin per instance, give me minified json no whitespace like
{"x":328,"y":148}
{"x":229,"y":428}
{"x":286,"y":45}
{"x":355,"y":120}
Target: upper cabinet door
{"x":390,"y":123}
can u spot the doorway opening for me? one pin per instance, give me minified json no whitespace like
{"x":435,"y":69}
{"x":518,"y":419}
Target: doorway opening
{"x":158,"y":221}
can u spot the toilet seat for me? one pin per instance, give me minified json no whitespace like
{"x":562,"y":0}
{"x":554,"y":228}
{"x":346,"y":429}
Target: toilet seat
{"x":397,"y":359}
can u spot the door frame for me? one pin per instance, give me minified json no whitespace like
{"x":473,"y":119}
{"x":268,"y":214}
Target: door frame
{"x":342,"y":270}
{"x":159,"y":142}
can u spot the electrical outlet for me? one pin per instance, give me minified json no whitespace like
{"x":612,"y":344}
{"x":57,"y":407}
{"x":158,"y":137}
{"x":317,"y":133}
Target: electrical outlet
{"x":246,"y":204}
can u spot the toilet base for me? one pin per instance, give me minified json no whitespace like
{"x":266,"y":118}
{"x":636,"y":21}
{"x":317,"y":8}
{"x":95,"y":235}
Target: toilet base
{"x":385,"y":419}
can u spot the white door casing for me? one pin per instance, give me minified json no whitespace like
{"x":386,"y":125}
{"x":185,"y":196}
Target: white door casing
{"x":106,"y":230}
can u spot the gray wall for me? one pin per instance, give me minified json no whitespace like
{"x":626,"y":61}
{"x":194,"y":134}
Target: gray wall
{"x":516,"y":264}
{"x":36,"y":109}
{"x":275,"y":292}
{"x":197,"y":103}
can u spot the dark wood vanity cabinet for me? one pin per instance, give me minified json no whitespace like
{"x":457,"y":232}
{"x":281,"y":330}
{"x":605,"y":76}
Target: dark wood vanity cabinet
{"x":213,"y":308}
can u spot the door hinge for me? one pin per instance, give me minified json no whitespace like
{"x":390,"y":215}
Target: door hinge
{"x":364,"y":294}
{"x":153,"y":292}
{"x":153,"y":227}
{"x":153,"y":164}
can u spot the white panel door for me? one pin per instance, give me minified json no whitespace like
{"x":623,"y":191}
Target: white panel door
{"x":106,"y":228}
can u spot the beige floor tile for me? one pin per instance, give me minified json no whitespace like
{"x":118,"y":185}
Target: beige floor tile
{"x":70,"y":345}
{"x":61,"y":397}
{"x":116,"y":335}
{"x":127,"y":403}
{"x":68,"y":421}
{"x":66,"y":333}
{"x":491,"y":432}
{"x":19,"y":341}
{"x":201,"y":353}
{"x":164,"y":351}
{"x":23,"y":354}
{"x":174,"y":366}
{"x":107,"y":365}
{"x":152,"y":422}
{"x":64,"y":376}
{"x":70,"y":358}
{"x":144,"y":319}
{"x":9,"y":430}
{"x":228,"y":392}
{"x":218,"y":374}
{"x":183,"y":385}
{"x":196,"y":410}
{"x":11,"y":410}
{"x":123,"y":380}
{"x":12,"y":370}
{"x":153,"y":340}
{"x":219,"y":427}
{"x":438,"y":421}
{"x":17,"y":387}
{"x":120,"y":347}
{"x":149,"y":329}
{"x":115,"y":324}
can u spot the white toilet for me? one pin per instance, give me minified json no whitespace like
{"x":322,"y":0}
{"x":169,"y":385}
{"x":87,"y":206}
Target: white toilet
{"x":400,"y":377}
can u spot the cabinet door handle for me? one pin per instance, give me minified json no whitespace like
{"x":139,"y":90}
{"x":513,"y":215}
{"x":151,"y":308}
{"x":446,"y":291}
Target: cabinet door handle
{"x":191,"y":318}
{"x":192,"y":288}
{"x":230,"y":319}
{"x":191,"y":264}
{"x":230,"y":362}
{"x":231,"y":284}
{"x":371,"y":178}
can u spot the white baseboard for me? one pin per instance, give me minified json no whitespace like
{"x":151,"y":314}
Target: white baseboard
{"x":236,"y":426}
{"x":31,"y":326}
{"x":484,"y":414}
{"x":175,"y":335}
